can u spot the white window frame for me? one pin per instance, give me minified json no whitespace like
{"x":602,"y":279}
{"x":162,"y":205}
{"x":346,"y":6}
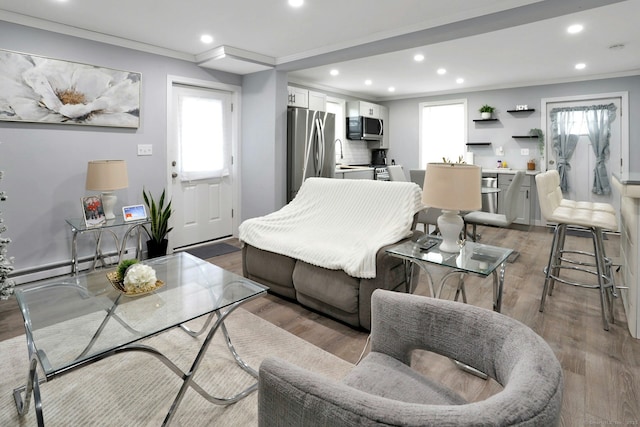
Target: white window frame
{"x":421,"y":107}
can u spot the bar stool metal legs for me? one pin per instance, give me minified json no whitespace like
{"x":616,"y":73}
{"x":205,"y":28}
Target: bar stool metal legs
{"x":601,"y":267}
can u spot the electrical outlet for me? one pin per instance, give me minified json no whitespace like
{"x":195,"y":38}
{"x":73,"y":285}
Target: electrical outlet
{"x":145,"y":149}
{"x":524,"y":151}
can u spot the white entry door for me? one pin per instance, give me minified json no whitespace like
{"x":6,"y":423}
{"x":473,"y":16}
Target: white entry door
{"x":200,"y":154}
{"x":583,"y":160}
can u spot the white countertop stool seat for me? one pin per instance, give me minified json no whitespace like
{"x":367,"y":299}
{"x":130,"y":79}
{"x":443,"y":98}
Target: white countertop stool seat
{"x":594,"y":218}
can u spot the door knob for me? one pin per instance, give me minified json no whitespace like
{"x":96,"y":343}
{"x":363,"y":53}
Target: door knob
{"x":173,"y":163}
{"x":551,"y":162}
{"x":174,"y":175}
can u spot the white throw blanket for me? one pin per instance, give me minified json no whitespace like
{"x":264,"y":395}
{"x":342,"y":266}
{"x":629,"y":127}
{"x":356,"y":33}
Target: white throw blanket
{"x":338,"y":224}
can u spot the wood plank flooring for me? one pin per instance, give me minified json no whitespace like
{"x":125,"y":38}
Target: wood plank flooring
{"x":601,"y":369}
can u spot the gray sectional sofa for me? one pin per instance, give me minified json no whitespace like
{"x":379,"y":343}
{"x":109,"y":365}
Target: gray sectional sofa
{"x":331,"y":292}
{"x":326,"y":248}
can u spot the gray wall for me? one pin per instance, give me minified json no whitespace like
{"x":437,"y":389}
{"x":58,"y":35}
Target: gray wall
{"x":264,"y":150}
{"x":404,"y":120}
{"x":45,"y":165}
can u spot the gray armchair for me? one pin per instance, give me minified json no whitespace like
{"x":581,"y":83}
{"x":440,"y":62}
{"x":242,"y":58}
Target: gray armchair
{"x":384,"y":390}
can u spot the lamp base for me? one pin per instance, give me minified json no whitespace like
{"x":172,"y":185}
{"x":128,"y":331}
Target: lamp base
{"x":450,"y":225}
{"x":108,"y":202}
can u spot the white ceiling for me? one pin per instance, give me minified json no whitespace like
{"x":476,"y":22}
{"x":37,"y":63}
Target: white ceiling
{"x":493,"y":43}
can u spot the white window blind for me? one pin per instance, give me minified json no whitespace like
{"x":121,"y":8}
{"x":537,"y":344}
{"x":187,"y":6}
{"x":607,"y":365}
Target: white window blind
{"x":201,"y":138}
{"x":442,"y":131}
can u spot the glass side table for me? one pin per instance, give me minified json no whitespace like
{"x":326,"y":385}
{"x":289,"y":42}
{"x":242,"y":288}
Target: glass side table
{"x":473,"y":258}
{"x":78,"y":226}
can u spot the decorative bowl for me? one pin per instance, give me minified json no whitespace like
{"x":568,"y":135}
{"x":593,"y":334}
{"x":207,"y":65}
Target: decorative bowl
{"x":119,"y":285}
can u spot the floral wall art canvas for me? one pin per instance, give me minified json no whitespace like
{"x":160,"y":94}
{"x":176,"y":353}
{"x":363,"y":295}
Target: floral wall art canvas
{"x":44,"y":90}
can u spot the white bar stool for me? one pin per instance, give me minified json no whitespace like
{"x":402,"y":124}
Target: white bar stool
{"x":594,"y":218}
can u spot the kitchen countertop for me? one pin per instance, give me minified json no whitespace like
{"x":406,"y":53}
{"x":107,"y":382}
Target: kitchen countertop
{"x":509,"y":171}
{"x":347,"y":168}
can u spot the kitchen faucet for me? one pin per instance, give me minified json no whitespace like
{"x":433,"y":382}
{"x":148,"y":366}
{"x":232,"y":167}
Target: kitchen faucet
{"x":340,"y":141}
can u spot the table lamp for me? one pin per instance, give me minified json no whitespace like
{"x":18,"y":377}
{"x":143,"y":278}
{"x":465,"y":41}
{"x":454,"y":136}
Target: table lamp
{"x":107,"y":176}
{"x":452,"y":187}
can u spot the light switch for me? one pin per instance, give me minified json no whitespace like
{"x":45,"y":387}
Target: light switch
{"x":524,"y":151}
{"x":145,"y":149}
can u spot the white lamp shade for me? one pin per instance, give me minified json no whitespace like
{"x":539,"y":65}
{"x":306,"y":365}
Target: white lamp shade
{"x":452,"y":186}
{"x":107,"y":175}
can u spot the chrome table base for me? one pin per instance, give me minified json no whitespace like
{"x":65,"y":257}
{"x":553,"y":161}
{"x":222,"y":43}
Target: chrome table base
{"x":32,"y":385}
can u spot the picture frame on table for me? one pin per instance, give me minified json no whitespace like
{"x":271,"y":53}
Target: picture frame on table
{"x":92,"y":211}
{"x":134,"y":213}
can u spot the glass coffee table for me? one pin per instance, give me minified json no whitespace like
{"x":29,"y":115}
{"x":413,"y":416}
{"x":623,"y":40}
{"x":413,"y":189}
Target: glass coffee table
{"x":473,"y":258}
{"x":74,"y":321}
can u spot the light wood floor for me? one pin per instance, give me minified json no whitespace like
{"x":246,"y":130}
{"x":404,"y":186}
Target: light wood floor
{"x":601,"y":369}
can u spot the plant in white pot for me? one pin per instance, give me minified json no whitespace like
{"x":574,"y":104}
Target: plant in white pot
{"x":485,"y":111}
{"x":159,"y":215}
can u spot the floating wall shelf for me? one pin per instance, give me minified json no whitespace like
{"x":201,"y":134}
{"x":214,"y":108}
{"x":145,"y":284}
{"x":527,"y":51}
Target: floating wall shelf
{"x":478,"y":143}
{"x":524,"y":136}
{"x":521,"y":111}
{"x":485,"y":120}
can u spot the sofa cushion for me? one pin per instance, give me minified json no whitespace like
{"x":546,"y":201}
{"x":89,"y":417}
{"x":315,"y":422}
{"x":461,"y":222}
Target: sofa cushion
{"x":332,"y":287}
{"x":271,"y":269}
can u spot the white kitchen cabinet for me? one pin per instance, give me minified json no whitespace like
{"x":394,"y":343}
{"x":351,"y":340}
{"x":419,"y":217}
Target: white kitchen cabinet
{"x":525,"y":196}
{"x":298,"y":97}
{"x":363,"y":108}
{"x":317,"y":101}
{"x":629,"y":253}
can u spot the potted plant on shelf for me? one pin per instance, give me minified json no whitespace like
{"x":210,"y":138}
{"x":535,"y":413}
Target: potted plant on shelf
{"x":540,"y":135}
{"x":485,"y":111}
{"x":159,"y":215}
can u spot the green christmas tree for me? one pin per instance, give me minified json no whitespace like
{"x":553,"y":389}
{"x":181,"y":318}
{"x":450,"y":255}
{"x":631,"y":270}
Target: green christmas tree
{"x":6,"y":285}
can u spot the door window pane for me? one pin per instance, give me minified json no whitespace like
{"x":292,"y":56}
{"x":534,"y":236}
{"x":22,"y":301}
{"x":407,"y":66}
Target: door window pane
{"x":200,"y":138}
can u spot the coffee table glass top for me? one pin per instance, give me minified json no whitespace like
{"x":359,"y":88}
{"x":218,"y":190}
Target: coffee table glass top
{"x":473,"y":257}
{"x":74,"y":319}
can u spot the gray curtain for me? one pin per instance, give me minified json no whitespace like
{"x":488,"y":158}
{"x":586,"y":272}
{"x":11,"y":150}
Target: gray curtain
{"x":564,"y":142}
{"x":599,"y":118}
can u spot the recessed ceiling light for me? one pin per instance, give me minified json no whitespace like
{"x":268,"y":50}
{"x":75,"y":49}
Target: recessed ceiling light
{"x":418,"y":57}
{"x":334,"y":72}
{"x":206,"y":38}
{"x":368,"y":82}
{"x":573,"y":29}
{"x":296,"y":3}
{"x":459,"y":80}
{"x":581,"y":66}
{"x":391,"y":89}
{"x":442,"y":71}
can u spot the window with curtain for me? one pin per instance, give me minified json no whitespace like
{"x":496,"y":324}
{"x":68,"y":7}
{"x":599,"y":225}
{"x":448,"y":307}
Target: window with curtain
{"x":442,"y":131}
{"x":201,"y":138}
{"x":568,"y":124}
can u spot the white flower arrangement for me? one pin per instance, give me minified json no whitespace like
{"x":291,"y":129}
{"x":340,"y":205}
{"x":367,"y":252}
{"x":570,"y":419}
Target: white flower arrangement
{"x":140,"y":278}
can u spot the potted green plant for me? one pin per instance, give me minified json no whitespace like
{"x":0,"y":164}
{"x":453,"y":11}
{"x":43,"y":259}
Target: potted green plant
{"x":159,"y":215}
{"x":540,"y":135}
{"x":485,"y":111}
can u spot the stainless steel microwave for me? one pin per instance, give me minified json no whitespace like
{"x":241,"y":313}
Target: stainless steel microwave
{"x":366,"y":128}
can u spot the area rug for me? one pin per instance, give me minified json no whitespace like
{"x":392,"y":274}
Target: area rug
{"x":212,"y":250}
{"x":135,"y":389}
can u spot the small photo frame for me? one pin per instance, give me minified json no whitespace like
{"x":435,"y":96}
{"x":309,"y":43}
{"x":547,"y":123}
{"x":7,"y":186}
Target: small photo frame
{"x":93,"y":211}
{"x":134,"y":213}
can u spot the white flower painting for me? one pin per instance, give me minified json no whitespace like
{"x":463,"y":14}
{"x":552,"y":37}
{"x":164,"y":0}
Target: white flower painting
{"x":44,"y":90}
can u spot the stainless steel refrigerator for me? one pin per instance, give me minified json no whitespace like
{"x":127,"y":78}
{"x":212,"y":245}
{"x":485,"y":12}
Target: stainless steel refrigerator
{"x":310,"y":147}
